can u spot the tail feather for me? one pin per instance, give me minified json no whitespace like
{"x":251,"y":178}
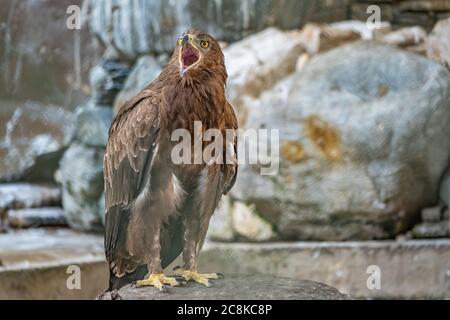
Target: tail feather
{"x":171,"y":247}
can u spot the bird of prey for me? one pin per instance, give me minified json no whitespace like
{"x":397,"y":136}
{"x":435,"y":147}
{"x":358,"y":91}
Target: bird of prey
{"x":156,"y":209}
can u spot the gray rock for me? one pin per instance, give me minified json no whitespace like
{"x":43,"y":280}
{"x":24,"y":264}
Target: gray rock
{"x":221,"y":225}
{"x":36,"y":217}
{"x":361,"y":150}
{"x":24,"y":195}
{"x":146,"y":69}
{"x":438,"y":42}
{"x":107,"y":78}
{"x":235,"y":287}
{"x":81,"y":177}
{"x":35,"y":136}
{"x":41,"y":59}
{"x":445,"y":188}
{"x":249,"y":225}
{"x":431,"y":230}
{"x":92,"y":125}
{"x":143,"y":27}
{"x":431,"y":214}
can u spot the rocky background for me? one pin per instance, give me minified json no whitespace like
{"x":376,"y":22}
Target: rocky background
{"x":363,"y":113}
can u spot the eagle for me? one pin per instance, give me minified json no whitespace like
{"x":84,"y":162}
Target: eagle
{"x":157,"y":208}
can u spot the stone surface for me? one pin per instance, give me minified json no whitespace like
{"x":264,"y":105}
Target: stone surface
{"x":146,"y":69}
{"x":40,"y":58}
{"x":123,"y":24}
{"x":317,"y":38}
{"x":431,"y":214}
{"x":438,"y":43}
{"x":234,"y":287}
{"x":248,"y":225}
{"x":36,"y":217}
{"x":221,"y":224}
{"x":22,"y":195}
{"x":251,"y":70}
{"x":81,"y":177}
{"x":37,"y":263}
{"x":33,"y":139}
{"x":361,"y":152}
{"x":445,"y":188}
{"x":432,"y":230}
{"x":92,"y":125}
{"x":107,"y":78}
{"x":413,"y":269}
{"x":405,"y":37}
{"x":362,"y":28}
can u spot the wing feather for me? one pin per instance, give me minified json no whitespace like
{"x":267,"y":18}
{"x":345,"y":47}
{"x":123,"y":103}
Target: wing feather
{"x":132,"y":143}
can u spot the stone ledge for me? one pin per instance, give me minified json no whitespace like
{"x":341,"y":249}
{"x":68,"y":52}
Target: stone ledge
{"x":409,"y":269}
{"x":234,"y":287}
{"x":33,"y":264}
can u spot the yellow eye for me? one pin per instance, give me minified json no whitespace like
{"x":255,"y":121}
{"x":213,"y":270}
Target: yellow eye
{"x":179,"y":41}
{"x":204,"y":44}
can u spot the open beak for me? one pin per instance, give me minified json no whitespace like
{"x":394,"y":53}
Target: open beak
{"x":189,"y":54}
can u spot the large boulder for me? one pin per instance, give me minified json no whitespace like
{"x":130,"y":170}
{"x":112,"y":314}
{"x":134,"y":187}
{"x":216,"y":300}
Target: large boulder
{"x":81,"y":177}
{"x":33,"y":141}
{"x":364,"y":142}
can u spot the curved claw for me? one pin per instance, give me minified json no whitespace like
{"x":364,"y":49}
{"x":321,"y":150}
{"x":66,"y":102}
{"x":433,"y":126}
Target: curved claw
{"x":202,"y":278}
{"x":159,"y":281}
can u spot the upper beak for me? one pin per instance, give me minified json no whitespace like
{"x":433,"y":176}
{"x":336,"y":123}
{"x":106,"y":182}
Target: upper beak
{"x":185,"y":40}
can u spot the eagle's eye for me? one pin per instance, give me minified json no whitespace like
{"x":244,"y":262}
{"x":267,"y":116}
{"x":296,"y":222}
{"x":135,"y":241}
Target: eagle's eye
{"x":204,"y":44}
{"x":180,"y":41}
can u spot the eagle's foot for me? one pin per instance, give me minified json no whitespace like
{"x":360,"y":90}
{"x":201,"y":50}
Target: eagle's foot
{"x":202,"y":278}
{"x":158,"y":280}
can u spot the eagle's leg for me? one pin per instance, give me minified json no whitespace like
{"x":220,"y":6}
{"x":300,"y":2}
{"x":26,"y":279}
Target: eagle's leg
{"x":156,"y":276}
{"x":191,"y":248}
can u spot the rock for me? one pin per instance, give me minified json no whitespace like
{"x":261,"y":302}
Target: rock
{"x":438,"y":43}
{"x":92,"y":125}
{"x":317,"y":38}
{"x":146,"y":69}
{"x":221,"y":225}
{"x":22,"y":195}
{"x":36,"y":217}
{"x":425,"y":5}
{"x":107,"y":79}
{"x":431,"y":214}
{"x":445,"y":188}
{"x":42,"y":60}
{"x":123,"y":24}
{"x":342,"y":265}
{"x":234,"y":287}
{"x":252,"y":70}
{"x":362,"y":28}
{"x":34,"y":140}
{"x":249,"y":225}
{"x":431,"y":230}
{"x":405,"y":37}
{"x":361,"y":152}
{"x":81,"y":177}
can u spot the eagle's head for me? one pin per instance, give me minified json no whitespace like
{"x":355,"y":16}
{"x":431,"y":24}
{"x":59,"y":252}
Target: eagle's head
{"x":199,"y":54}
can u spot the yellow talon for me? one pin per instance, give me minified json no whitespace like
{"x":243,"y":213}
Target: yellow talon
{"x":202,"y":278}
{"x":158,"y":281}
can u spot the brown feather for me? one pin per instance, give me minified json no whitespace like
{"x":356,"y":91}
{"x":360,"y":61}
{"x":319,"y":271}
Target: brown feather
{"x":137,"y":160}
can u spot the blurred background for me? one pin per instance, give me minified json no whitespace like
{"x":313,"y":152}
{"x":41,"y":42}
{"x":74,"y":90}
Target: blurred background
{"x":360,"y":91}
